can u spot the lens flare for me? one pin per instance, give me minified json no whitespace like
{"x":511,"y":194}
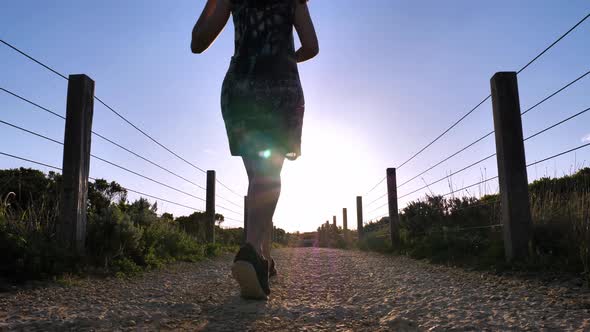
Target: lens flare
{"x":264,"y":154}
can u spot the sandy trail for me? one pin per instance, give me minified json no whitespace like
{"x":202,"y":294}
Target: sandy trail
{"x":317,"y":289}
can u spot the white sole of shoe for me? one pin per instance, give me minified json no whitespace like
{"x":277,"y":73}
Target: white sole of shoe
{"x":245,"y":275}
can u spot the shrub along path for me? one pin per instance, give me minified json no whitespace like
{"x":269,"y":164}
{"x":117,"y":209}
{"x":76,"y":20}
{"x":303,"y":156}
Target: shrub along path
{"x":317,"y":289}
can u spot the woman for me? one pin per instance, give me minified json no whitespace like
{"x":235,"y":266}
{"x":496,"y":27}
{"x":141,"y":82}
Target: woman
{"x":262,"y":106}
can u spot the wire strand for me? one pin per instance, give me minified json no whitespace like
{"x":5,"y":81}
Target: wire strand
{"x":496,"y":177}
{"x":147,"y":135}
{"x":34,"y":60}
{"x":120,"y":146}
{"x":492,"y":132}
{"x":29,"y":160}
{"x":557,"y":124}
{"x":119,"y":115}
{"x":230,"y":210}
{"x":94,"y":179}
{"x":34,"y":104}
{"x":555,"y":93}
{"x":379,"y":207}
{"x":118,"y":166}
{"x":376,"y":199}
{"x":437,"y":138}
{"x":375,"y":186}
{"x":450,"y":175}
{"x":31,"y":132}
{"x":447,"y":158}
{"x":159,"y":198}
{"x":558,"y":155}
{"x":553,"y":44}
{"x":472,"y":110}
{"x":469,"y":186}
{"x":445,"y":132}
{"x":232,"y":219}
{"x":105,"y":161}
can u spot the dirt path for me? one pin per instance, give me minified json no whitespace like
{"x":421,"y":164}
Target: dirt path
{"x":317,"y":289}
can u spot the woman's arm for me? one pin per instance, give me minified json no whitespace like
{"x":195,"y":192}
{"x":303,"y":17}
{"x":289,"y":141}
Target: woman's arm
{"x":210,"y":24}
{"x":306,"y":32}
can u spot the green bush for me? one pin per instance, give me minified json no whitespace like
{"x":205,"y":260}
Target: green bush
{"x":376,"y":241}
{"x":122,"y":238}
{"x":164,"y":243}
{"x":457,"y":230}
{"x":111,"y":235}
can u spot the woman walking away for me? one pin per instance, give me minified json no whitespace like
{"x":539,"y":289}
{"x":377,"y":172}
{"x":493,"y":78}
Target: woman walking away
{"x":262,"y":106}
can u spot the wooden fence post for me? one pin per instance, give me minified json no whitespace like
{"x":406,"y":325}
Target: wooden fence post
{"x":516,"y":213}
{"x":393,"y":212}
{"x":359,"y":216}
{"x":334,"y":221}
{"x":345,"y":223}
{"x":210,"y":208}
{"x":245,"y":219}
{"x":71,"y":230}
{"x":274,"y":234}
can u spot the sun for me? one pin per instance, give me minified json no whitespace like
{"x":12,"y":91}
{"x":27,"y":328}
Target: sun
{"x":326,"y":178}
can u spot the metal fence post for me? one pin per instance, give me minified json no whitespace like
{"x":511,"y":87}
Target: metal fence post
{"x":393,"y":212}
{"x":71,"y":229}
{"x":512,"y":173}
{"x":210,"y":208}
{"x":359,"y":216}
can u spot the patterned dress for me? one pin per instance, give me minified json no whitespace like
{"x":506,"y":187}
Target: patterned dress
{"x":261,"y":99}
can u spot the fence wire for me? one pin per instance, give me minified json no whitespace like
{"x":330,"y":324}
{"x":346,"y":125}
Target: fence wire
{"x":485,"y":99}
{"x":94,"y":179}
{"x":118,"y":114}
{"x":555,"y":93}
{"x":119,"y":166}
{"x":121,"y":147}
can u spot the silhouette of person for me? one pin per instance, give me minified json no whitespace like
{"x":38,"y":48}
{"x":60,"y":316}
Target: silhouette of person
{"x":262,"y":105}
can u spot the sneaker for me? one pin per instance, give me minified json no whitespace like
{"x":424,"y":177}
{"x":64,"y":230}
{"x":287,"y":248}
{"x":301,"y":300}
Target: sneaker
{"x":273,"y":270}
{"x":250,"y":270}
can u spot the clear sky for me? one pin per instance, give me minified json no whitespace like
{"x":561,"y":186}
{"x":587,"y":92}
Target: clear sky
{"x":391,"y":75}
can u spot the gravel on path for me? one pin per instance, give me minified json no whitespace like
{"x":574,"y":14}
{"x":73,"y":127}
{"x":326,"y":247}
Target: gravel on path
{"x":317,"y":289}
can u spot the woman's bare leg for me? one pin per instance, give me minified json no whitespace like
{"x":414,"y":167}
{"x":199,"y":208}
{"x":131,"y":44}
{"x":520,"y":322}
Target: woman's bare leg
{"x":267,"y":243}
{"x":264,"y":189}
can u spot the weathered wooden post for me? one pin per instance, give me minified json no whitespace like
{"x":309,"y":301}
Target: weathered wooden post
{"x":393,"y":212}
{"x":71,"y":229}
{"x":210,"y":208}
{"x":359,"y":216}
{"x":334,"y":221}
{"x":345,"y":223}
{"x":245,"y":220}
{"x":516,"y":214}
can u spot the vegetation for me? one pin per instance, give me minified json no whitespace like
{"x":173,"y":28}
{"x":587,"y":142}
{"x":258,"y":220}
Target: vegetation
{"x":331,"y":236}
{"x":122,"y":237}
{"x":461,"y":230}
{"x":126,"y":237}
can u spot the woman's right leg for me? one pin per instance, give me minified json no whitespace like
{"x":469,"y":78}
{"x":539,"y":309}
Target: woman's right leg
{"x":264,"y":175}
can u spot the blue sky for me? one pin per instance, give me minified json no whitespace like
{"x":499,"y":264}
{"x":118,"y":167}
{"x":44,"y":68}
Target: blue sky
{"x":391,"y":75}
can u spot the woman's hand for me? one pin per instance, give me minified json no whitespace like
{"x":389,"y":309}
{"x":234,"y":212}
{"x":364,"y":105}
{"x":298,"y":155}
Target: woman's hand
{"x":306,"y":32}
{"x":210,"y":24}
